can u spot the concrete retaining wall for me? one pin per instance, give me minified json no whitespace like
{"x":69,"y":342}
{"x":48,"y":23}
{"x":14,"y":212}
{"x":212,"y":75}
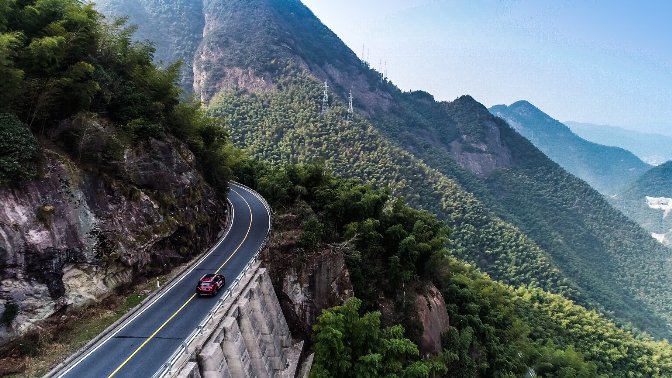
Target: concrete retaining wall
{"x":248,"y":336}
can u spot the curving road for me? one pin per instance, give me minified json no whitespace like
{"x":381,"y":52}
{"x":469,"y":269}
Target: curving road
{"x":141,"y":344}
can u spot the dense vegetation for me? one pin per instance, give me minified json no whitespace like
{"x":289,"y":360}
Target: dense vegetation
{"x":348,"y":345}
{"x":607,"y":169}
{"x":287,"y":126}
{"x":496,"y":329}
{"x":431,"y":153}
{"x":73,"y":79}
{"x":174,"y":27}
{"x":65,"y":70}
{"x":18,"y":151}
{"x":657,"y":182}
{"x":589,"y":243}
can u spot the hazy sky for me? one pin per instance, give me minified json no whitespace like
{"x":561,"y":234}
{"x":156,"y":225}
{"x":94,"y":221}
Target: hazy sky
{"x":605,"y":62}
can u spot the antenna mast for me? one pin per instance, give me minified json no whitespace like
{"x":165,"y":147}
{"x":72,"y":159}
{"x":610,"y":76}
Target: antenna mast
{"x":325,"y":98}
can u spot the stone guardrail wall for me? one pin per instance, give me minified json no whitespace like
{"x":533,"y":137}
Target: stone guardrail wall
{"x":244,"y":335}
{"x":247,"y":337}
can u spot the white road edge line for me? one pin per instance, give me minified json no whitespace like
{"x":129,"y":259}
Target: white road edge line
{"x":130,"y":320}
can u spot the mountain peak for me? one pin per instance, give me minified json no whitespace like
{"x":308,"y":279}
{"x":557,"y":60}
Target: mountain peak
{"x":523,"y":103}
{"x":468,"y":104}
{"x":605,"y":168}
{"x":524,"y":107}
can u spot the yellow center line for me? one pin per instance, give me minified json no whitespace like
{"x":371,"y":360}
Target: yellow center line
{"x":151,"y":336}
{"x":249,"y":227}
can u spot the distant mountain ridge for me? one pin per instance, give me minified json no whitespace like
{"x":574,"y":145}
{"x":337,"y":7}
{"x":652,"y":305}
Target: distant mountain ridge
{"x":654,"y":149}
{"x":607,"y":169}
{"x":514,"y":213}
{"x":648,"y":201}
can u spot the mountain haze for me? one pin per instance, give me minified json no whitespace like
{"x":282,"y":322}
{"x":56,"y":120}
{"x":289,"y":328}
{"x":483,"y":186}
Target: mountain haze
{"x":513,"y":212}
{"x":605,"y":168}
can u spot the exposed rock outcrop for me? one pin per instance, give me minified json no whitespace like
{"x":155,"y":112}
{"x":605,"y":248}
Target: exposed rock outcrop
{"x":431,"y":309}
{"x":481,"y":149}
{"x":304,"y":283}
{"x":74,"y":235}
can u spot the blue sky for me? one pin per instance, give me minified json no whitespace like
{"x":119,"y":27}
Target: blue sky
{"x":605,"y":62}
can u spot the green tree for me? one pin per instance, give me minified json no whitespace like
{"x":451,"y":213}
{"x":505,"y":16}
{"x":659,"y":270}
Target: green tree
{"x":350,"y":345}
{"x":19,"y":151}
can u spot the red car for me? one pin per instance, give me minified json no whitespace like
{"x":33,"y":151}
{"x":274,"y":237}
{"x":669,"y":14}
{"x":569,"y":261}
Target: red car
{"x":210,"y":284}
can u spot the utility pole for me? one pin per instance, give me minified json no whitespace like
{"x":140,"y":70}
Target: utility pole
{"x":325,"y":98}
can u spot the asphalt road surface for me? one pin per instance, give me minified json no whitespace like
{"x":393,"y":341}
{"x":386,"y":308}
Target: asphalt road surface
{"x":140,"y":345}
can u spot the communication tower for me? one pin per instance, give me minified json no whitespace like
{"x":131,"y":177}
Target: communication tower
{"x":350,"y":109}
{"x":325,"y":98}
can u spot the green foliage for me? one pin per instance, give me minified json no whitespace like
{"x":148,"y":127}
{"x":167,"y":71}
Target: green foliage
{"x":9,"y":313}
{"x":608,"y":259}
{"x":174,"y":27}
{"x":67,"y":74}
{"x":61,"y":59}
{"x":313,"y":230}
{"x":350,"y":345}
{"x":496,"y":330}
{"x":555,"y":321}
{"x":286,"y":126}
{"x":656,"y":182}
{"x":208,"y":139}
{"x":386,"y":234}
{"x":554,"y":363}
{"x":19,"y":151}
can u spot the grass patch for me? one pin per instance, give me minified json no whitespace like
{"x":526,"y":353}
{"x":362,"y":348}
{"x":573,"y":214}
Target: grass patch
{"x":37,"y":352}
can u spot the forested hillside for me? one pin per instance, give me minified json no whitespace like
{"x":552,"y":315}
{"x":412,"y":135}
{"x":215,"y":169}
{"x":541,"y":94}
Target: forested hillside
{"x":261,"y":56}
{"x":105,"y":175}
{"x":174,"y":28}
{"x":92,"y":133}
{"x":393,"y":250}
{"x":287,"y":126}
{"x":606,"y":169}
{"x":648,"y":201}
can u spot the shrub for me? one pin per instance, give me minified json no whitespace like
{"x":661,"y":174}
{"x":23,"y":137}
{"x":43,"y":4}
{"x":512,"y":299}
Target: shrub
{"x":19,"y":151}
{"x":8,"y":316}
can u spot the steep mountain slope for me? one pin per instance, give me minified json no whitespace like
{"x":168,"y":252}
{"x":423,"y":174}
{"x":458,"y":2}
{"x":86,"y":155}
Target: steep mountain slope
{"x":512,"y":330}
{"x":654,"y":149}
{"x":606,"y":169}
{"x":286,"y":126}
{"x":429,"y":152}
{"x":105,"y":176}
{"x":174,"y":28}
{"x":648,"y":201}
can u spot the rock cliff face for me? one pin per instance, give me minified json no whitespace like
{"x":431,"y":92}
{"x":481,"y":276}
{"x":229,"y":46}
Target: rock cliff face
{"x":304,"y":283}
{"x":431,"y":309}
{"x":74,"y":235}
{"x":307,"y":283}
{"x":479,"y":149}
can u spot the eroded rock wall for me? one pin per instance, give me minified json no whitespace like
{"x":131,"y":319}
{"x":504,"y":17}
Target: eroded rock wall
{"x":305,"y":282}
{"x":74,"y":235}
{"x":432,"y":313}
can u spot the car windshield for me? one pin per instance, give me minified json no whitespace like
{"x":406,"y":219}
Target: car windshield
{"x":205,"y":284}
